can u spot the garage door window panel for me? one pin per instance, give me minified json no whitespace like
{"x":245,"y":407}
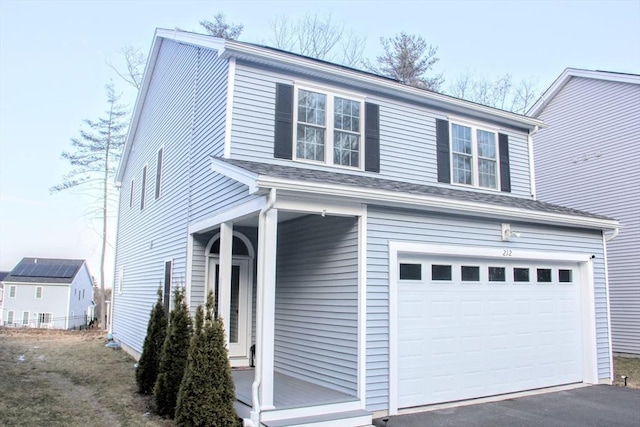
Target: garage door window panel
{"x":470,"y":273}
{"x":565,"y":276}
{"x":497,"y":274}
{"x":521,"y":275}
{"x":543,"y":275}
{"x":441,"y":272}
{"x":410,"y":271}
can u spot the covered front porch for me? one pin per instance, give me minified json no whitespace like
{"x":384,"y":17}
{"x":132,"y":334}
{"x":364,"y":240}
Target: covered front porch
{"x":287,"y":277}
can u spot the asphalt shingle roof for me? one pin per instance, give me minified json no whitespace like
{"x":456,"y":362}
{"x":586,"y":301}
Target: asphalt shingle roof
{"x":360,"y":181}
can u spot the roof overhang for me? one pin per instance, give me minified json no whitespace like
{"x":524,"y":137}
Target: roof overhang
{"x":260,"y":182}
{"x":569,"y":73}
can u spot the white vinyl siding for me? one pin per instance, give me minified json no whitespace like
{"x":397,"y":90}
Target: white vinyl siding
{"x":188,"y":93}
{"x":407,"y":132}
{"x":585,"y":159}
{"x":316,"y":324}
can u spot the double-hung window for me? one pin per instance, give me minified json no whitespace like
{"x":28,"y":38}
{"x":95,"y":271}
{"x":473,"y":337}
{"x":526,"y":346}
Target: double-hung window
{"x":474,"y":156}
{"x":328,"y":128}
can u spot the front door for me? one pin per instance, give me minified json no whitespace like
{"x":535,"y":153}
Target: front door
{"x":239,"y":323}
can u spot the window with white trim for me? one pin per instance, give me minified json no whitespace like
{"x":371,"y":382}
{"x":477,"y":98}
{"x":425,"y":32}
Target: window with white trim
{"x":131,"y":193}
{"x":25,"y":318}
{"x":12,"y":291}
{"x":159,"y":172}
{"x":44,"y":319}
{"x":38,"y":292}
{"x":10,"y":316}
{"x":474,"y":156}
{"x":143,"y":187}
{"x":328,"y":128}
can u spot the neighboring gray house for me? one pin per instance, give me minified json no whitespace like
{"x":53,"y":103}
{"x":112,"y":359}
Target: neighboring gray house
{"x":589,"y":158}
{"x":47,"y":293}
{"x":378,"y":244}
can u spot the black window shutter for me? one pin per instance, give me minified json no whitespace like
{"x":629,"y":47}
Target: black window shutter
{"x":442,"y":146}
{"x":372,"y":137}
{"x":505,"y":170}
{"x":283,"y":143}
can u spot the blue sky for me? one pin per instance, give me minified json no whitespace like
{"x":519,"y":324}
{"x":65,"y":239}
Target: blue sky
{"x":53,"y":70}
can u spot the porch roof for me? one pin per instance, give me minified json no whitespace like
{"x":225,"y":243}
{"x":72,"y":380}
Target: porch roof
{"x":265,"y":175}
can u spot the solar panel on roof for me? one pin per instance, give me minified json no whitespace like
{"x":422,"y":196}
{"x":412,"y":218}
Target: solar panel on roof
{"x":54,"y":271}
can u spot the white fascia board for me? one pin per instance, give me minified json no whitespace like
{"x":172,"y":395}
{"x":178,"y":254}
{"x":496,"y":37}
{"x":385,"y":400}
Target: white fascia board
{"x":439,"y":204}
{"x":160,"y":34}
{"x":195,"y":39}
{"x":232,"y":214}
{"x":137,"y":109}
{"x":567,"y":74}
{"x":259,"y":54}
{"x":239,"y":174}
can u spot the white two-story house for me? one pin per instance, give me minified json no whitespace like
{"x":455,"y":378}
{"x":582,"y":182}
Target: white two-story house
{"x":48,"y":293}
{"x":374,"y":248}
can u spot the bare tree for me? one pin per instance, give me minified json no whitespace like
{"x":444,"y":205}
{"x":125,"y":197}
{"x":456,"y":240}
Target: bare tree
{"x":94,"y":159}
{"x":134,"y":63}
{"x":220,"y":28}
{"x":319,"y":37}
{"x":499,"y":93}
{"x":408,"y":59}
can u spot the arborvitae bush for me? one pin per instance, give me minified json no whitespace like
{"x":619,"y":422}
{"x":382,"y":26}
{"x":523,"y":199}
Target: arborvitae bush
{"x":207,"y":392}
{"x":174,"y":357}
{"x":147,"y":371}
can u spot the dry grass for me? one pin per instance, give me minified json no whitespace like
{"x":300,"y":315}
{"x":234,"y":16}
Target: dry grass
{"x":68,"y":378}
{"x":629,"y":367}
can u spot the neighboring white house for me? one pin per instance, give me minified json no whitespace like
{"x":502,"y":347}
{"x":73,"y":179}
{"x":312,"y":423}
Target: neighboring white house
{"x":48,"y":293}
{"x":377,"y":244}
{"x":589,"y":158}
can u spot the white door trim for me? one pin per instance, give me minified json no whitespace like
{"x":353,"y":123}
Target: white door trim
{"x":587,"y":297}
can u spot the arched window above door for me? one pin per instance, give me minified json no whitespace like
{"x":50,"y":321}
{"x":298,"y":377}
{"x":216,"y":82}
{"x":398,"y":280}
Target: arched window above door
{"x":238,"y":247}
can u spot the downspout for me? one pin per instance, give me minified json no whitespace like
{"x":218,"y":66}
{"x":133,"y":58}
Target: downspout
{"x":532,"y":169}
{"x":605,"y":239}
{"x":255,"y":387}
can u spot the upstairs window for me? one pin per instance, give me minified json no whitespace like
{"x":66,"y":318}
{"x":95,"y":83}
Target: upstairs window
{"x":474,"y":156}
{"x":12,"y":291}
{"x":159,"y":172}
{"x":143,"y":187}
{"x":131,"y":193}
{"x":38,"y":292}
{"x":328,"y":128}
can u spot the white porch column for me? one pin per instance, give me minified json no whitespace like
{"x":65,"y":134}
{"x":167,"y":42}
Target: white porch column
{"x":224,"y":279}
{"x":267,"y":235}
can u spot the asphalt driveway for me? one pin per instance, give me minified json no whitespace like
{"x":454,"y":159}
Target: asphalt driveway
{"x":599,"y":405}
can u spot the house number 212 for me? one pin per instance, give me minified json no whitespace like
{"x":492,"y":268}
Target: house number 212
{"x":506,"y":252}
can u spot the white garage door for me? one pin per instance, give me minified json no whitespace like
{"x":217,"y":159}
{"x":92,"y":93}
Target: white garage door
{"x":473,"y":328}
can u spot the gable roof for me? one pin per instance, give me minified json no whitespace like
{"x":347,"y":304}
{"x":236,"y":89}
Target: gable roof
{"x":45,"y":270}
{"x":570,"y":73}
{"x":389,"y":192}
{"x":314,"y":68}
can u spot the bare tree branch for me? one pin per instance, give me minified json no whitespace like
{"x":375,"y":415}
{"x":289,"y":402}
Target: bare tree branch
{"x":134,"y":62}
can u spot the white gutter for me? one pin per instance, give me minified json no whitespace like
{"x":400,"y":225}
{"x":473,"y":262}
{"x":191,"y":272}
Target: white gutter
{"x":612,"y":236}
{"x":532,"y":167}
{"x":255,"y":387}
{"x":440,"y":204}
